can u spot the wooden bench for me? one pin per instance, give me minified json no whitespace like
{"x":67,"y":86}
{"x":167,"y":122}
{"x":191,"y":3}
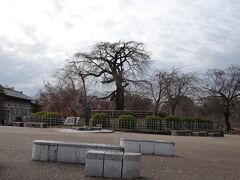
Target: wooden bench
{"x":151,"y":147}
{"x":67,"y":151}
{"x":112,"y":164}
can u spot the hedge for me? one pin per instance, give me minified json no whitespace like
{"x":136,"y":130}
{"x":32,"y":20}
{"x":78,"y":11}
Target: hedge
{"x":102,"y":119}
{"x":45,"y":114}
{"x":127,"y":122}
{"x":152,"y":122}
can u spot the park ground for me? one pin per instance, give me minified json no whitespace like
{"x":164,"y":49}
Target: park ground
{"x":200,"y":158}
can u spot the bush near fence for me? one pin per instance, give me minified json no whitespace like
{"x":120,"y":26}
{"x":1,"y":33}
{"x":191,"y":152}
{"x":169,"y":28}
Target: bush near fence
{"x":153,"y":122}
{"x":157,"y":124}
{"x":127,"y":122}
{"x":48,"y":118}
{"x":100,"y":118}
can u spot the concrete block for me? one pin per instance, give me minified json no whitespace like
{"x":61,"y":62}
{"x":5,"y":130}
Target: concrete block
{"x":40,"y":152}
{"x":215,"y":134}
{"x":131,"y":165}
{"x":67,"y":154}
{"x":181,"y":133}
{"x":200,"y":133}
{"x":147,"y":147}
{"x":113,"y":164}
{"x":110,"y":147}
{"x":131,"y":145}
{"x":164,"y":148}
{"x":82,"y":152}
{"x":94,"y":163}
{"x":52,"y":152}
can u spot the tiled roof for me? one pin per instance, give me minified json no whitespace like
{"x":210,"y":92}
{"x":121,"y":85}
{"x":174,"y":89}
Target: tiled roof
{"x":17,"y":94}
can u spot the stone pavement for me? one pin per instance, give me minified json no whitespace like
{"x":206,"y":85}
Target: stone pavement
{"x":196,"y":157}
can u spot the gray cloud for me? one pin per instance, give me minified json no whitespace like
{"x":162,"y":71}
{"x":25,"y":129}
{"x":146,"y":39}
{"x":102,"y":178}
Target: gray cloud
{"x":194,"y":35}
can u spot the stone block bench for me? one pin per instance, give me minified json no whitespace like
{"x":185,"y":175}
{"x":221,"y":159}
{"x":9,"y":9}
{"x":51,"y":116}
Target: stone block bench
{"x":215,"y":134}
{"x":200,"y":133}
{"x":67,"y":152}
{"x":181,"y":133}
{"x":35,"y":124}
{"x":151,"y":147}
{"x":18,"y":124}
{"x":112,"y":164}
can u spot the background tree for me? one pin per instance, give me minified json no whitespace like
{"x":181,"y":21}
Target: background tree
{"x":118,"y":64}
{"x":79,"y":70}
{"x":134,"y":101}
{"x":224,"y":84}
{"x":179,"y":85}
{"x":65,"y":95}
{"x":157,"y":87}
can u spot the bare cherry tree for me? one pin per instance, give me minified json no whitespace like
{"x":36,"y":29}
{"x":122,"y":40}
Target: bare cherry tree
{"x":117,"y":64}
{"x":79,"y":71}
{"x":157,"y":87}
{"x":179,"y":85}
{"x":224,"y":84}
{"x":64,"y":94}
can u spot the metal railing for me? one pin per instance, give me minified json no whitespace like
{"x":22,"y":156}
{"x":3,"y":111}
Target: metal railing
{"x":154,"y":126}
{"x":49,"y":121}
{"x":116,"y":113}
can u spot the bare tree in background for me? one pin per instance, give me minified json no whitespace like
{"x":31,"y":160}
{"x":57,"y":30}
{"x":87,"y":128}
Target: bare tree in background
{"x":79,"y":70}
{"x":65,"y":92}
{"x":224,"y":84}
{"x":179,"y":84}
{"x":118,"y":64}
{"x":157,"y":86}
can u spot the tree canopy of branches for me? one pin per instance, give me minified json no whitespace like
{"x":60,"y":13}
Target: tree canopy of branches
{"x":180,"y":84}
{"x":134,"y":101}
{"x":117,"y":64}
{"x":65,"y":96}
{"x":157,"y":86}
{"x":224,"y":84}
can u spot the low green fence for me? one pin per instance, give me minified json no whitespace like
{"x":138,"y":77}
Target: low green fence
{"x":142,"y":125}
{"x":49,"y":121}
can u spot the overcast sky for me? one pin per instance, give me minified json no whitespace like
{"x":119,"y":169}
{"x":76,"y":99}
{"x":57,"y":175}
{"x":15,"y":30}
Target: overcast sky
{"x":36,"y":37}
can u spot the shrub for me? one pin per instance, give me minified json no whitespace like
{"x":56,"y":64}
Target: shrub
{"x":45,"y":114}
{"x":100,"y":118}
{"x":172,"y":118}
{"x":127,"y":122}
{"x":199,"y":120}
{"x":152,"y":122}
{"x":52,"y":118}
{"x":190,"y":120}
{"x":130,"y":113}
{"x":176,"y":122}
{"x":162,"y":114}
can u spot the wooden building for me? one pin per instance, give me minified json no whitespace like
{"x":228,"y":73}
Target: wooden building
{"x":14,"y":105}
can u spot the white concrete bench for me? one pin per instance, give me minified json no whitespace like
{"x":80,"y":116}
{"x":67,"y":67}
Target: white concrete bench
{"x":112,"y":164}
{"x":153,"y":147}
{"x":67,"y":152}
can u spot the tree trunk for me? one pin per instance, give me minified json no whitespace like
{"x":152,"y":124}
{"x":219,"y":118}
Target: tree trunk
{"x":173,"y":110}
{"x":87,"y":110}
{"x":226,"y":119}
{"x":156,"y":107}
{"x":119,"y":98}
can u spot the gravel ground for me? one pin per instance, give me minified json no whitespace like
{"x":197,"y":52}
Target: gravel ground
{"x":196,"y":157}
